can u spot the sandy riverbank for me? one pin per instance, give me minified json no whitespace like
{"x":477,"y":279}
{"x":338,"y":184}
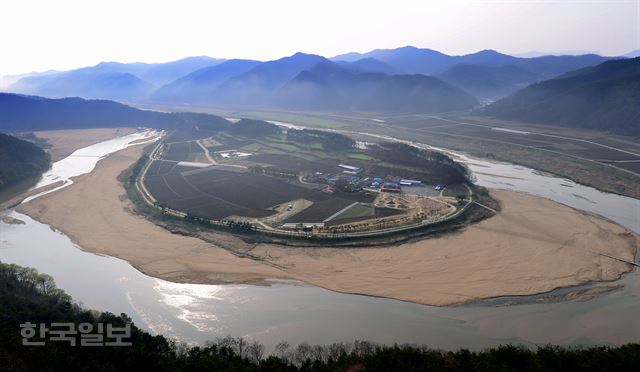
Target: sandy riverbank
{"x":533,"y":246}
{"x":64,"y":142}
{"x":107,"y":227}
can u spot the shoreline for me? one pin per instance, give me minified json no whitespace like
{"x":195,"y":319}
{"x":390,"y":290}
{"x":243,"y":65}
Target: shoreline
{"x":191,"y":260}
{"x":63,"y":142}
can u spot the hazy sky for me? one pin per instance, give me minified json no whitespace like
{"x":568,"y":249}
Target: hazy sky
{"x":64,"y":34}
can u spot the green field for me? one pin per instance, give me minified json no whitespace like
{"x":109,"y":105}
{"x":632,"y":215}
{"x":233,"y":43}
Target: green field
{"x":356,"y":211}
{"x":455,"y":190}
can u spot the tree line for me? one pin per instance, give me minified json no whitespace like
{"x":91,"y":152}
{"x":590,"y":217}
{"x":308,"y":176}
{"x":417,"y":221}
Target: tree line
{"x":329,"y":140}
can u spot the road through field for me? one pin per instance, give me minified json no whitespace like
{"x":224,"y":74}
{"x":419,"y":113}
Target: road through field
{"x":206,"y":152}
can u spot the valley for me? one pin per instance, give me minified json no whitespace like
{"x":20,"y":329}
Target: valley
{"x":294,"y":186}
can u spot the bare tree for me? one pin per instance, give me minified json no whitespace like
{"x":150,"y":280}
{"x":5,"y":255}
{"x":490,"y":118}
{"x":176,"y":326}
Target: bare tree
{"x":182,"y":348}
{"x":319,"y":352}
{"x":303,"y":353}
{"x":338,"y":349}
{"x":227,"y":342}
{"x":363,"y":348}
{"x":256,"y":351}
{"x":241,"y":347}
{"x":282,"y":350}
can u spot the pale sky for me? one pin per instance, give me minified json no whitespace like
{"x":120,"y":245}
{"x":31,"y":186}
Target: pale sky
{"x":64,"y":34}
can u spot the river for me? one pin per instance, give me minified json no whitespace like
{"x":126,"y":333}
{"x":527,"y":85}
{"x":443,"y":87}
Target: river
{"x":295,"y":312}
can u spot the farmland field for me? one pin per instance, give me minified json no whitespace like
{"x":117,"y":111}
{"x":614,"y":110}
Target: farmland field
{"x":320,"y":210}
{"x":280,"y":167}
{"x":377,"y":213}
{"x":356,"y":211}
{"x":216,"y":194}
{"x":184,"y":151}
{"x":294,"y":162}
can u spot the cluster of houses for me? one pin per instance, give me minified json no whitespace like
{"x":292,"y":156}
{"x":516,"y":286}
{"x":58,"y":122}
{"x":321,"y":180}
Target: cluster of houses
{"x":352,"y":179}
{"x":393,"y":184}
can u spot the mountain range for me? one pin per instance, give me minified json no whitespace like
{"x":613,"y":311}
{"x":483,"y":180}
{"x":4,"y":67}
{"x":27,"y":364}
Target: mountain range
{"x":406,"y":79}
{"x":412,"y":60}
{"x":313,"y":82}
{"x":110,"y":80}
{"x":328,"y":86}
{"x":603,"y":97}
{"x":198,"y":86}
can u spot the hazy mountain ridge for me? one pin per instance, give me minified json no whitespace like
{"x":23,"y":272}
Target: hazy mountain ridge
{"x":377,"y":78}
{"x":604,"y":97}
{"x":429,"y":62}
{"x":21,"y":113}
{"x":489,"y":82}
{"x":311,"y":81}
{"x":109,"y":80}
{"x":199,"y":86}
{"x":255,"y":86}
{"x":90,"y":83}
{"x":163,"y":73}
{"x":370,"y":65}
{"x":330,"y":86}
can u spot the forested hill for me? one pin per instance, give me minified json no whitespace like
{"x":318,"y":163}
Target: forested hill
{"x":253,"y":128}
{"x":19,"y":161}
{"x":21,"y":113}
{"x":604,"y":97}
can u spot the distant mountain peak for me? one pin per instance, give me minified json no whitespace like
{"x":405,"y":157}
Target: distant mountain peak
{"x":487,"y":52}
{"x":406,"y":47}
{"x":633,"y":54}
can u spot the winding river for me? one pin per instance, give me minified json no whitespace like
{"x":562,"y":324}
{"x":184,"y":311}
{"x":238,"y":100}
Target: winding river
{"x":296,"y":312}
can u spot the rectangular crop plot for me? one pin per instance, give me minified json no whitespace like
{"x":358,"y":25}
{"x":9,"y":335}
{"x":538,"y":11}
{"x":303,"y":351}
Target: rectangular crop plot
{"x":356,"y":211}
{"x":320,"y":211}
{"x":295,"y":163}
{"x":246,"y":189}
{"x":161,"y":167}
{"x":216,"y":193}
{"x":154,"y":167}
{"x":184,"y":151}
{"x":377,"y":213}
